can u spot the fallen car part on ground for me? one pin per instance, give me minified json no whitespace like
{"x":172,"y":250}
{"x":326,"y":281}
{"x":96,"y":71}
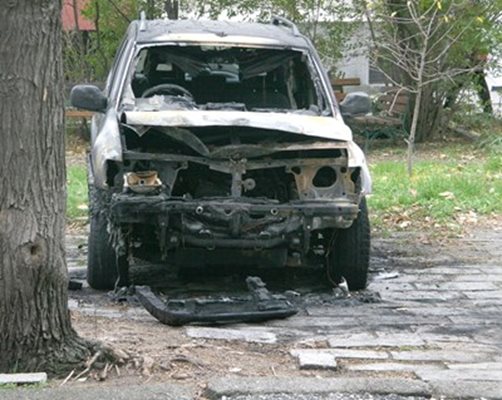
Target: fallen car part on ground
{"x":261,"y":306}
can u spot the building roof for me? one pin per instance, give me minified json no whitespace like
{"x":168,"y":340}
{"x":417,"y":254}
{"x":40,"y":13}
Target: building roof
{"x":68,"y":16}
{"x":220,"y":31}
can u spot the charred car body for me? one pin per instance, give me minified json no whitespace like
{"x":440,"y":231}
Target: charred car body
{"x":222,"y":143}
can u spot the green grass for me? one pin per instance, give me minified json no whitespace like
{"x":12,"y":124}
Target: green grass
{"x":76,"y":202}
{"x":443,"y":191}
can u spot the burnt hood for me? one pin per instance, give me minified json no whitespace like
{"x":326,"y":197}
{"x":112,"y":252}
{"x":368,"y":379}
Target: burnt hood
{"x":308,"y":125}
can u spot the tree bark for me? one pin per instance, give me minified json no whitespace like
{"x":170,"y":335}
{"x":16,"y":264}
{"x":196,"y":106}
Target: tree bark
{"x":35,"y":327}
{"x":431,"y":107}
{"x":413,"y":131}
{"x":171,"y":7}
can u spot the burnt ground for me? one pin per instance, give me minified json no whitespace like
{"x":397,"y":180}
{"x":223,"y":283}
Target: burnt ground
{"x":431,"y":316}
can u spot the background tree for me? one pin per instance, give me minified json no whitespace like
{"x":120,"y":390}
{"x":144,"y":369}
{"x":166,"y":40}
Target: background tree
{"x":111,"y":19}
{"x":421,"y":47}
{"x":35,"y":328}
{"x":329,"y":24}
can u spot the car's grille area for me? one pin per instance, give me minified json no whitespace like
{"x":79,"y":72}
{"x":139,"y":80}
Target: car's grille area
{"x":199,"y":181}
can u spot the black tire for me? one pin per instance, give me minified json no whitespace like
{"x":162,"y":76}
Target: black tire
{"x":350,"y":252}
{"x":102,"y":269}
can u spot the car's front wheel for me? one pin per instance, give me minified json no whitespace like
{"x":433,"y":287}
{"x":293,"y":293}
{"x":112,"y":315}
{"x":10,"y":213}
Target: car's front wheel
{"x":102,"y":269}
{"x":349,"y":252}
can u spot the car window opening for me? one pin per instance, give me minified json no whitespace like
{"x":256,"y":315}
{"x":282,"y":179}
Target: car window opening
{"x":209,"y":77}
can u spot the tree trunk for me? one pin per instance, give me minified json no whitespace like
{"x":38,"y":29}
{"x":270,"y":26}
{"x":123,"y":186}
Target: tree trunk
{"x":413,"y":131}
{"x":431,"y":107}
{"x":483,"y":90}
{"x":35,"y":327}
{"x":171,"y":7}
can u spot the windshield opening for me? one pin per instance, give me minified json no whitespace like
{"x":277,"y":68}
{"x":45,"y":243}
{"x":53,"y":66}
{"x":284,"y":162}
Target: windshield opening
{"x":215,"y":77}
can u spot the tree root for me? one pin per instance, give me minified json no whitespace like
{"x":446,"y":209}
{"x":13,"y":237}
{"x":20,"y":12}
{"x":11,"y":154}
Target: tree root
{"x":75,"y":356}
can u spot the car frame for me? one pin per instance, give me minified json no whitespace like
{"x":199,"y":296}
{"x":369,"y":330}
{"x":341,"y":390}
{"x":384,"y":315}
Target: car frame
{"x":133,"y":211}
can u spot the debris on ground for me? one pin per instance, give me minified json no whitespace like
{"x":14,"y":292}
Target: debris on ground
{"x":261,"y":305}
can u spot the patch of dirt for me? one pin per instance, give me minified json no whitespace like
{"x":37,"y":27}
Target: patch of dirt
{"x":171,"y":355}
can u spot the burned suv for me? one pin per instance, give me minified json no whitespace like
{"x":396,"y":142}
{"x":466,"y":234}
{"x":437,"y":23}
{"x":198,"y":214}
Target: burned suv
{"x":220,"y":143}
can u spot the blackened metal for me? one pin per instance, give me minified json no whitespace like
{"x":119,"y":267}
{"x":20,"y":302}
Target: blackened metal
{"x":74,"y":285}
{"x":260,"y":306}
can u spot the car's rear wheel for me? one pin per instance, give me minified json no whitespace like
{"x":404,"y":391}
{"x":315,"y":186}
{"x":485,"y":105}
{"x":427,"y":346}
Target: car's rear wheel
{"x":102,"y":271}
{"x":350,"y":252}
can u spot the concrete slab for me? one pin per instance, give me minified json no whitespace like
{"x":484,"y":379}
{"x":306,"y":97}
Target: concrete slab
{"x":460,"y":270}
{"x":459,"y":286}
{"x":317,"y":322}
{"x":316,"y":360}
{"x":23,"y":379}
{"x":89,"y":392}
{"x":343,"y":353}
{"x":376,"y":340}
{"x":457,"y":375}
{"x":395,"y":366}
{"x":393,"y":285}
{"x":300,"y":385}
{"x":490,"y":366}
{"x":480,"y":295}
{"x":467,"y":390}
{"x":441,"y":355}
{"x":431,"y":295}
{"x":246,"y":334}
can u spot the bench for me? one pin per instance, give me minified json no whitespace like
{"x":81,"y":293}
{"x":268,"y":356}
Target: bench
{"x":392,"y":111}
{"x":73,"y":113}
{"x":83,"y":116}
{"x":338,"y":85}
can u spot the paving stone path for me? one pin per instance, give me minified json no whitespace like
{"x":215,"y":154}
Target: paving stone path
{"x":437,"y":324}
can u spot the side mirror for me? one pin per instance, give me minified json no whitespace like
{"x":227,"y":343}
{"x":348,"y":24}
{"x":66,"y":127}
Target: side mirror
{"x":88,"y":97}
{"x":356,"y":103}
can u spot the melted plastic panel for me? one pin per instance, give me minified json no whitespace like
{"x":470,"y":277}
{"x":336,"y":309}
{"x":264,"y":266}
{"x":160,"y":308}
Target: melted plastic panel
{"x":261,"y":305}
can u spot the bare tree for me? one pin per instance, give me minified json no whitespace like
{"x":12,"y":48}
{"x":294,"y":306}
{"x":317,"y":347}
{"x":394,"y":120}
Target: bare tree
{"x":415,"y":39}
{"x":35,"y":328}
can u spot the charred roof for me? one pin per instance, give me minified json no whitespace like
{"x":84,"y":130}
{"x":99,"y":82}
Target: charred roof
{"x":279,"y":32}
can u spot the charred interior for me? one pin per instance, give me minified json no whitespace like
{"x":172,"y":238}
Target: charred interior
{"x":214,"y":77}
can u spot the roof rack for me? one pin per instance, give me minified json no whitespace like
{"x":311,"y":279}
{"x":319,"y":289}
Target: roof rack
{"x":276,"y":20}
{"x":142,"y":21}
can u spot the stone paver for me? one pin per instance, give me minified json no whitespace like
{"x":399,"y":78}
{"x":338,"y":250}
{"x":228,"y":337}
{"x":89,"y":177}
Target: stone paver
{"x":440,"y":355}
{"x":89,"y":392}
{"x":301,"y":385}
{"x":315,"y":360}
{"x":248,"y":335}
{"x":463,"y":389}
{"x":323,"y":396}
{"x":19,"y":379}
{"x":395,"y":366}
{"x":440,"y":324}
{"x":342,"y":353}
{"x":457,"y":286}
{"x":455,"y":375}
{"x":431,"y":296}
{"x":377,"y":339}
